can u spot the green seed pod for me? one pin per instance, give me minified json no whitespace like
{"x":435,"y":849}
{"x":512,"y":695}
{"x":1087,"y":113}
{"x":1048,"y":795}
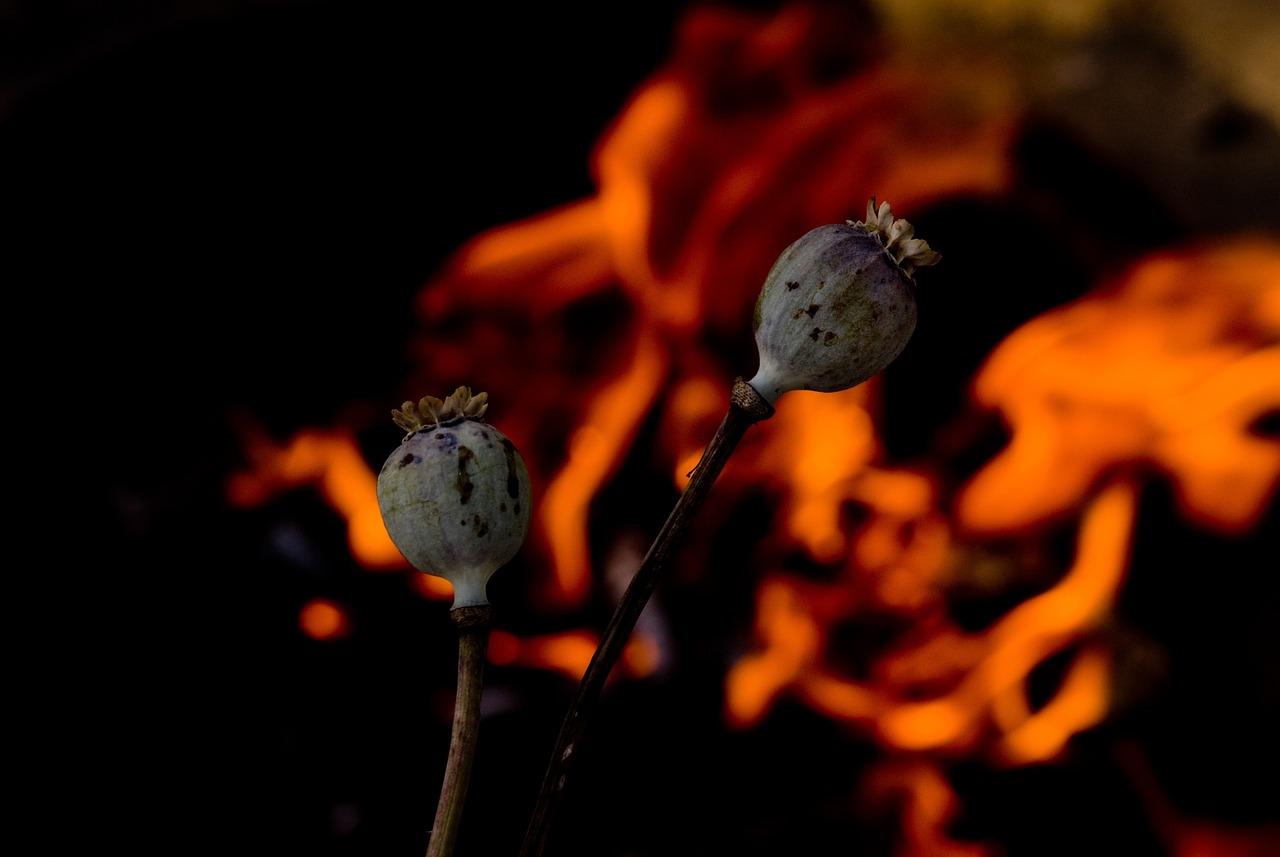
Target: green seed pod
{"x":454,"y":495}
{"x":838,"y":305}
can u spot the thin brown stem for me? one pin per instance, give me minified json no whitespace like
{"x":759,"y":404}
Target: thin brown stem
{"x":473,"y":643}
{"x":746,"y":407}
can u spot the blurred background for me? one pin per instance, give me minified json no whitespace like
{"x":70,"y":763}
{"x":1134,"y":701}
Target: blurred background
{"x":1014,"y":596}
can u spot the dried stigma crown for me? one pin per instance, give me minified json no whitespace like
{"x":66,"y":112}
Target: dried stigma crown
{"x":897,"y":236}
{"x":431,"y":412}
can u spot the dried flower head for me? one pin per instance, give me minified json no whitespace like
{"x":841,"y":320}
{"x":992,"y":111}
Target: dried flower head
{"x":838,"y":305}
{"x":455,"y":495}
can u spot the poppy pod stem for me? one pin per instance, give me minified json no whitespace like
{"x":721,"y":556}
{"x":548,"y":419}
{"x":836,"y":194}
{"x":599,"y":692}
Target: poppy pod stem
{"x":473,"y":625}
{"x":746,"y":407}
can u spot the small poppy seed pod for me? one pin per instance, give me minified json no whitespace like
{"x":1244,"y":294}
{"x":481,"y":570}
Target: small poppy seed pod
{"x":838,"y":305}
{"x":455,"y":495}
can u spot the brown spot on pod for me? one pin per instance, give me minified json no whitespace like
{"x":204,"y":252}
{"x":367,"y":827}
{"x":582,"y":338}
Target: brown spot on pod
{"x":464,"y":484}
{"x":513,"y":470}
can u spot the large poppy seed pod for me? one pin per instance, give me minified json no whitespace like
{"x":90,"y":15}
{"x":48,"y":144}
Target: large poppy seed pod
{"x":838,"y":305}
{"x":454,"y":495}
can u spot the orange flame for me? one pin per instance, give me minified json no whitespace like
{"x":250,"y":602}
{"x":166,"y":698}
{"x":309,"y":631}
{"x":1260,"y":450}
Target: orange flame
{"x":985,"y":672}
{"x":1171,"y":365}
{"x":331,"y":462}
{"x":928,"y":805}
{"x":1013,"y":646}
{"x":568,"y":653}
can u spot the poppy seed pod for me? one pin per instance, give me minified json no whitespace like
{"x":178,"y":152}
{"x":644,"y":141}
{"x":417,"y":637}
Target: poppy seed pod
{"x":838,"y":305}
{"x":455,"y":495}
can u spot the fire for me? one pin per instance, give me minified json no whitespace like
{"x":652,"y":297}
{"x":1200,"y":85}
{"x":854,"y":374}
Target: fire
{"x":331,"y":462}
{"x":983,"y":674}
{"x":609,"y":423}
{"x":739,"y":144}
{"x":927,"y":806}
{"x":567,"y":653}
{"x":1171,"y":366}
{"x":993,"y":684}
{"x":823,"y":445}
